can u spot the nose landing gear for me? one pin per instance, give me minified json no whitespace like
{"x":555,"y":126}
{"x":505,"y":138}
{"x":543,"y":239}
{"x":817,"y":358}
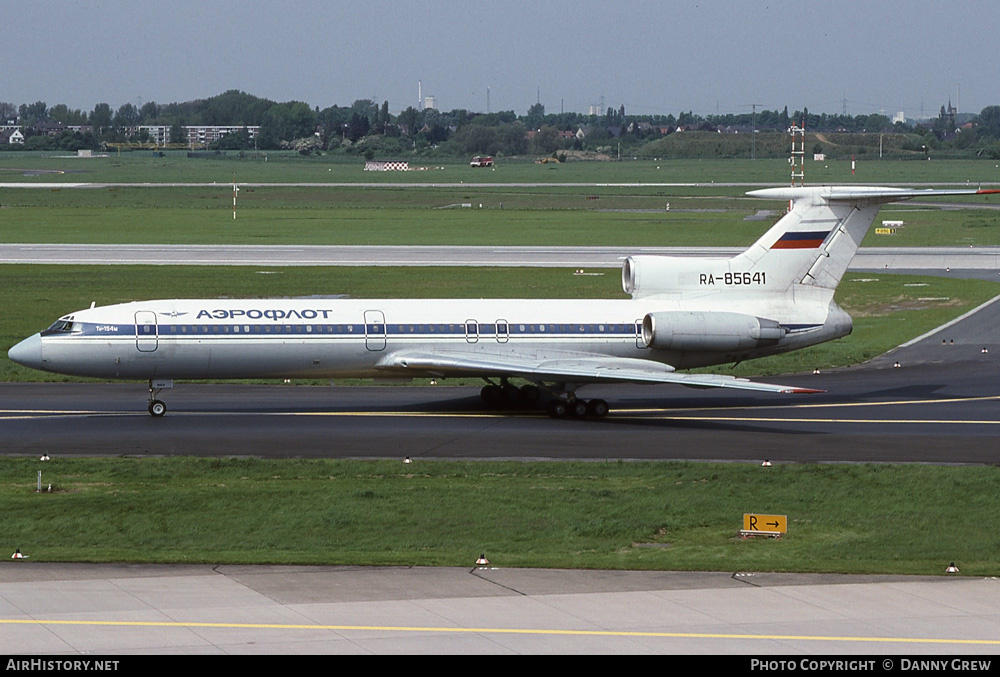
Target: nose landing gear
{"x":156,"y":407}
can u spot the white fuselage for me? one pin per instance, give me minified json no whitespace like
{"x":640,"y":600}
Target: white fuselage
{"x":341,"y":338}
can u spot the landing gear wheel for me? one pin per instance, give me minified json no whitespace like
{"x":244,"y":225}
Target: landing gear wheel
{"x":509,"y":394}
{"x":157,"y":408}
{"x":597,"y":408}
{"x":491,"y":394}
{"x":578,"y":408}
{"x":556,"y":408}
{"x":530,"y":394}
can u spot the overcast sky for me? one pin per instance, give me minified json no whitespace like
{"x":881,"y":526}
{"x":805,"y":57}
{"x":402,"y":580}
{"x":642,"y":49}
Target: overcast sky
{"x":653,"y":57}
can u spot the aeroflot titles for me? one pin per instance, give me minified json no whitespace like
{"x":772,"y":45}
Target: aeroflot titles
{"x":255,"y":314}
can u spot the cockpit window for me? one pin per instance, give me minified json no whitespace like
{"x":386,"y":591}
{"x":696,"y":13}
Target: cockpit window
{"x":61,"y":327}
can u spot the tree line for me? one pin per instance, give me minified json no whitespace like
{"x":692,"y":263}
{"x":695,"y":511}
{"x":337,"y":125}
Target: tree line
{"x":367,"y":128}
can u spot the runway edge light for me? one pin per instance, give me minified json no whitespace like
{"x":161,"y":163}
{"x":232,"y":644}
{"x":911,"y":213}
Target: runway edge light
{"x":482,"y":560}
{"x":952,"y":569}
{"x":17,"y":554}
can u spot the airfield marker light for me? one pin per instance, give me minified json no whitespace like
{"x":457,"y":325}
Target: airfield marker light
{"x":45,"y":456}
{"x":952,"y":569}
{"x":896,"y":365}
{"x":816,"y":370}
{"x":407,"y":460}
{"x":984,"y":351}
{"x":17,"y":555}
{"x":765,"y":464}
{"x":482,"y":560}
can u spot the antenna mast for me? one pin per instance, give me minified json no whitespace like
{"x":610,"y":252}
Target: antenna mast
{"x":753,"y":129}
{"x":798,"y":157}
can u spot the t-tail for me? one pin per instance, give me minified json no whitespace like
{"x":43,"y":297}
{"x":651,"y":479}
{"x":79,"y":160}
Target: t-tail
{"x":787,"y":278}
{"x":814,"y":243}
{"x":809,"y":247}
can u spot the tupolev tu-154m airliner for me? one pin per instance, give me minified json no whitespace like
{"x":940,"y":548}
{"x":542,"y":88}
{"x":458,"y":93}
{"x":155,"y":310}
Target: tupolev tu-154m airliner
{"x":684,"y":312}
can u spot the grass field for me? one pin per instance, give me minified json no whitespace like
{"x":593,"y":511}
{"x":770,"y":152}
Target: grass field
{"x":499,"y":213}
{"x":674,"y":516}
{"x":291,"y":168}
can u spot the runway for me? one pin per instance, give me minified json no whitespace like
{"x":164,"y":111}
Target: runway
{"x":937,"y":259}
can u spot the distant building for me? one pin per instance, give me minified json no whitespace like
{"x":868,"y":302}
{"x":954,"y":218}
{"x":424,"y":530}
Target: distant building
{"x":11,"y":136}
{"x":195,"y":135}
{"x":49,"y":128}
{"x":205,"y":134}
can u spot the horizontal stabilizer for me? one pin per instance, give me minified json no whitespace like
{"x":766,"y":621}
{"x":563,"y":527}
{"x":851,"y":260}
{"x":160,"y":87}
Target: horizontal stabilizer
{"x":861,"y":194}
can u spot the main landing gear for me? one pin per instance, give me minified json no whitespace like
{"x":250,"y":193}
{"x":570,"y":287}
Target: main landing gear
{"x":564,"y":404}
{"x":510,"y":395}
{"x":577,"y":408}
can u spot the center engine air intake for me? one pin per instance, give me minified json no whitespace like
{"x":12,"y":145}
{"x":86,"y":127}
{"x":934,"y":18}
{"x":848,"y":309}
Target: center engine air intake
{"x":649,"y":273}
{"x":713,"y":331}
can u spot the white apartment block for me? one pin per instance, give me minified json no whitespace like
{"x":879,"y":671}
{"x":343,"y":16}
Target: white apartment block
{"x":197,"y":135}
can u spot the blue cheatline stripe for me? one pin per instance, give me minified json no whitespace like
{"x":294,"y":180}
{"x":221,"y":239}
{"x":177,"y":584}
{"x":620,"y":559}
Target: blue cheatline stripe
{"x":327,"y":329}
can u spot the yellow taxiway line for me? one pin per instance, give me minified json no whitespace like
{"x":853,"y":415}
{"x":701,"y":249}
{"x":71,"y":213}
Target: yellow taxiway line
{"x":507,"y":631}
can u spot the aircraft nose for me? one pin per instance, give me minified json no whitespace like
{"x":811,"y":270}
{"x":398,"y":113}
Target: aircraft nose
{"x":28,"y":352}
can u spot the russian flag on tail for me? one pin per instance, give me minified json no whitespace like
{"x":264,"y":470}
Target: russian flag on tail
{"x":801,"y":240}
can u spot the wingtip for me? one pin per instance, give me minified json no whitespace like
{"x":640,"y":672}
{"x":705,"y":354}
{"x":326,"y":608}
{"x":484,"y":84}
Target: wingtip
{"x":804,"y":391}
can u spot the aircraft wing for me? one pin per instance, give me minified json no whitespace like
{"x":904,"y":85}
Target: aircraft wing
{"x":568,"y":368}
